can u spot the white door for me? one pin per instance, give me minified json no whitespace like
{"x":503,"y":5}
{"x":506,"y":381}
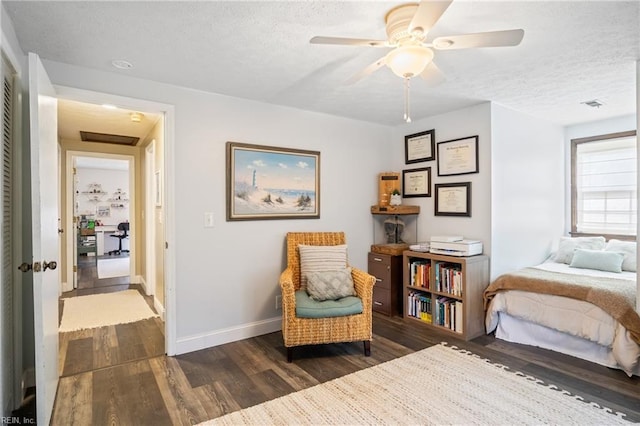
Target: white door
{"x":44,"y":210}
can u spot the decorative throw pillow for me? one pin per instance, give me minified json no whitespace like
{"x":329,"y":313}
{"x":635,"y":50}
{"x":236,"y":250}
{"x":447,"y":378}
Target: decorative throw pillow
{"x":609,"y":261}
{"x":629,"y":250}
{"x":321,"y":258}
{"x":330,"y":285}
{"x":569,"y":245}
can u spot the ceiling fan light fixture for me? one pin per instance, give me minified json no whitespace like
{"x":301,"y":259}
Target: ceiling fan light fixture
{"x":409,"y":61}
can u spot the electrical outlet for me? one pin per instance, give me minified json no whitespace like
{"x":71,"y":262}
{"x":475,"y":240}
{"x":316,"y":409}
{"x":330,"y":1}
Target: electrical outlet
{"x":278,"y":302}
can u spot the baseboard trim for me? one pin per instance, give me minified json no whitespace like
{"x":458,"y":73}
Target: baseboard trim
{"x":227,"y":335}
{"x":159,"y":307}
{"x":66,"y":286}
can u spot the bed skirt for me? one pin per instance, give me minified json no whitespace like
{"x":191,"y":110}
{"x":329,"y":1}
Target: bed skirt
{"x":516,"y":330}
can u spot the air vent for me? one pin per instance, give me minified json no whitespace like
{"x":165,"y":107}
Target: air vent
{"x":594,"y":103}
{"x":107,"y":138}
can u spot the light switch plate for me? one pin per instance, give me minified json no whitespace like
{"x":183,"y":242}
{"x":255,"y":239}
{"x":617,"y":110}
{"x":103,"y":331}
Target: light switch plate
{"x":208,"y":220}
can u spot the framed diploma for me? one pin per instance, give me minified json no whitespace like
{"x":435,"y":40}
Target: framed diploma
{"x":420,"y":147}
{"x":458,"y":156}
{"x":416,"y":182}
{"x":453,"y":199}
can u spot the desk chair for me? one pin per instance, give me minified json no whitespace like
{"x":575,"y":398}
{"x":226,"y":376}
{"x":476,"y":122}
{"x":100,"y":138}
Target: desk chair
{"x":123,"y":229}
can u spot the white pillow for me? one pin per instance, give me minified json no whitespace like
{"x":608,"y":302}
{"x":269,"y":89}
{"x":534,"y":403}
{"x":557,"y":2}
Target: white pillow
{"x":628,"y":248}
{"x":321,"y":259}
{"x":568,"y":246}
{"x":600,"y":260}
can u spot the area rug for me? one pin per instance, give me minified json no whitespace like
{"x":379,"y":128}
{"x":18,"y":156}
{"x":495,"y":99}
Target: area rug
{"x":99,"y":310}
{"x":437,"y":385}
{"x":111,"y":268}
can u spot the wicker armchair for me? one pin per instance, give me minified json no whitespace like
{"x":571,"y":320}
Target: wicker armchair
{"x":309,"y":331}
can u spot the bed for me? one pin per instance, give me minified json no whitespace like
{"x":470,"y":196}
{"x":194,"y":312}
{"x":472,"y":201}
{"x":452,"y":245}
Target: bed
{"x":572,"y":304}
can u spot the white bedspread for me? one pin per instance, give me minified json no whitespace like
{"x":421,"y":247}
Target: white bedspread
{"x":575,"y":317}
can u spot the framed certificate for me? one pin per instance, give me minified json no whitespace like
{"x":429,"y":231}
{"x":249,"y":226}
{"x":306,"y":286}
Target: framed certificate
{"x":458,"y":156}
{"x":420,"y":147}
{"x":416,"y":182}
{"x":453,"y":199}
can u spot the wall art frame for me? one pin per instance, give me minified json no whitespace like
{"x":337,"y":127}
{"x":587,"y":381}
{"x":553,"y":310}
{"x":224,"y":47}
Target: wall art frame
{"x":420,"y":147}
{"x":453,"y":199}
{"x":267,"y":182}
{"x":416,"y":182}
{"x":458,"y":156}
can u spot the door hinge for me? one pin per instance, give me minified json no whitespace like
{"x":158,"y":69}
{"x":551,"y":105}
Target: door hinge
{"x":166,"y":245}
{"x":75,"y":268}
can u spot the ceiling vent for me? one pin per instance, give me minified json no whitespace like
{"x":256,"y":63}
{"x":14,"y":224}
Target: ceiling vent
{"x":107,"y":138}
{"x":594,"y":103}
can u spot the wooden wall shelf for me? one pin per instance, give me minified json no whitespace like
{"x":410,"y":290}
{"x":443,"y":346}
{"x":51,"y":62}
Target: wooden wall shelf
{"x":395,"y":210}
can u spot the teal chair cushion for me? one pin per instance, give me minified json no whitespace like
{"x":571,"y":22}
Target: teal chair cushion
{"x":306,"y":307}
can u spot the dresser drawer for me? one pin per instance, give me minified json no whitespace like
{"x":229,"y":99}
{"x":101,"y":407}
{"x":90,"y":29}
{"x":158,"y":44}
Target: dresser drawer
{"x":382,"y":274}
{"x":379,"y":259}
{"x":382,"y":300}
{"x":380,"y":267}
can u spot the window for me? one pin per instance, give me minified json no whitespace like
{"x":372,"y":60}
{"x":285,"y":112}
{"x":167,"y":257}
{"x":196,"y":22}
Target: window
{"x":603,"y":185}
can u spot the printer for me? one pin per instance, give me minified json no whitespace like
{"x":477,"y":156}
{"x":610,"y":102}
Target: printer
{"x":455,"y":246}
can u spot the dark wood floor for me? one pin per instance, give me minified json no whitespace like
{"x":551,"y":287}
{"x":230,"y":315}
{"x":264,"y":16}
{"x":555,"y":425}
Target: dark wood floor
{"x":201,"y":385}
{"x":96,"y":348}
{"x":118,"y":375}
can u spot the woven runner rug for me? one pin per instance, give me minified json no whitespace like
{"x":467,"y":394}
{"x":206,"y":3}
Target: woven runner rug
{"x":437,"y":385}
{"x":99,"y":310}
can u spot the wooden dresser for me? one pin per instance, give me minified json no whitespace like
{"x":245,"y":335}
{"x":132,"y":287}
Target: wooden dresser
{"x":387,"y":293}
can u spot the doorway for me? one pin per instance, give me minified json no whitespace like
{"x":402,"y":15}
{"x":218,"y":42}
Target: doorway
{"x":102,"y":188}
{"x":104,"y":212}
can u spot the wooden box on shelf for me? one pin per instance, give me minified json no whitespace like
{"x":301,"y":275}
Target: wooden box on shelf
{"x":445,"y":292}
{"x":387,"y":292}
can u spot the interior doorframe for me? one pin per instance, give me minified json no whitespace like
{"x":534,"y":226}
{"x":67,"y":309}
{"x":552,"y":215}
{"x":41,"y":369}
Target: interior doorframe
{"x":72,"y":234}
{"x":149,"y":220}
{"x":82,"y":95}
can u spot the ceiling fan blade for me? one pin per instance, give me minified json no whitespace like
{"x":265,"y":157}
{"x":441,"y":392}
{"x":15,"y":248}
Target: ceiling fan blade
{"x":348,"y":41}
{"x":367,"y":71}
{"x":488,"y":39}
{"x":428,"y":13}
{"x":432,"y":75}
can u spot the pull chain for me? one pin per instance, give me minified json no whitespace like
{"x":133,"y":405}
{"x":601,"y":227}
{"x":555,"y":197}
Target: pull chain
{"x":407,"y":112}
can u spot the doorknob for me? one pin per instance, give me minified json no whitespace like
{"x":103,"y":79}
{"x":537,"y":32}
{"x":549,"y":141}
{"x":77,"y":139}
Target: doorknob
{"x":25,"y":267}
{"x":50,"y":265}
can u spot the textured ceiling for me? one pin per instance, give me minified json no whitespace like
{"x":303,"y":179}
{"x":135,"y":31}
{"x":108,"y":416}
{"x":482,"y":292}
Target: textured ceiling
{"x":572,"y":52}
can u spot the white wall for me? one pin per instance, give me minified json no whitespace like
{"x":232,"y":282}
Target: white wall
{"x":111,"y":181}
{"x":475,"y":120}
{"x":227,"y":276}
{"x":527,"y":196}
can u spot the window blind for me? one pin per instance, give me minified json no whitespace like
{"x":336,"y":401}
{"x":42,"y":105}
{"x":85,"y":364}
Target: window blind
{"x":606,"y":186}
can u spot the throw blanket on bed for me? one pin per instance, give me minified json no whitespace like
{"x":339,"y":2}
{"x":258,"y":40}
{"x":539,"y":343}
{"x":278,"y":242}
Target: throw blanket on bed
{"x":615,"y":297}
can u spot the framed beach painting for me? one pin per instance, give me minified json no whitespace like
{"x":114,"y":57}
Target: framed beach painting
{"x":266,"y":182}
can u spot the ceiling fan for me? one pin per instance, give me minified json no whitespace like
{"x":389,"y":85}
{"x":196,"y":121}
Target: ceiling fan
{"x":407,"y":27}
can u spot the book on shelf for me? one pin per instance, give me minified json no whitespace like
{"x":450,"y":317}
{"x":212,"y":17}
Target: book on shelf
{"x":448,"y":313}
{"x":448,"y":278}
{"x":419,"y":270}
{"x":419,"y":306}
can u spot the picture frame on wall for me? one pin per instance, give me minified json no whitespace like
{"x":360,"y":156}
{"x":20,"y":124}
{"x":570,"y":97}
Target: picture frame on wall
{"x":267,"y":182}
{"x":416,"y":182}
{"x":458,"y":156}
{"x":453,"y":199}
{"x":420,"y":147}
